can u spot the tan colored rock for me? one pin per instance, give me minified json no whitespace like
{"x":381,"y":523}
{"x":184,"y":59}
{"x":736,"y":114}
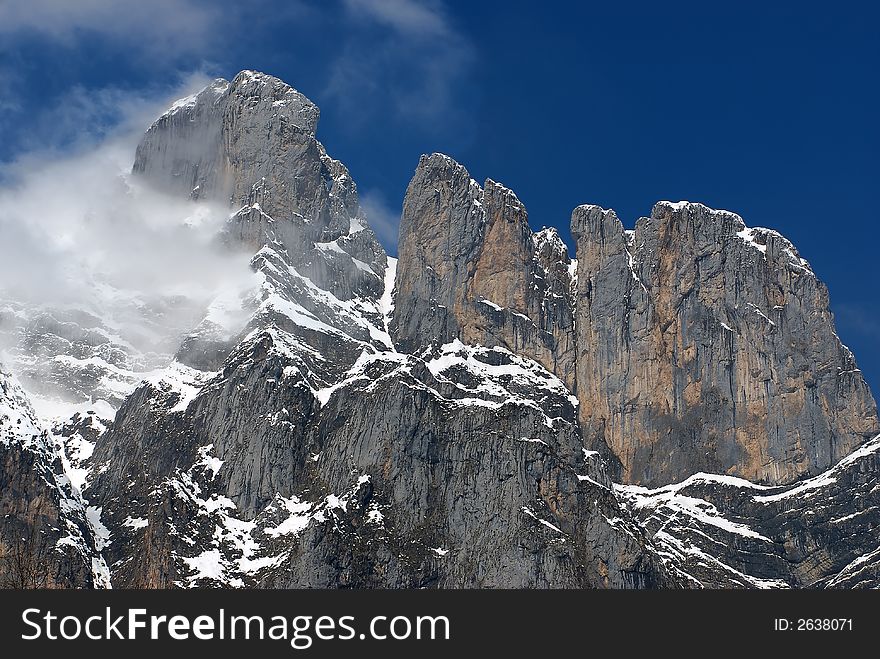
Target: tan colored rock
{"x":471,"y":268}
{"x":707,"y":346}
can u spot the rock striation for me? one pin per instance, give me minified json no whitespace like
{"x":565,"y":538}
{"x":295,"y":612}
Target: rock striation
{"x":725,"y":532}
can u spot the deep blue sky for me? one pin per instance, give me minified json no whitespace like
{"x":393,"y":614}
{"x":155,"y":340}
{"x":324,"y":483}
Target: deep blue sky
{"x":767,"y":109}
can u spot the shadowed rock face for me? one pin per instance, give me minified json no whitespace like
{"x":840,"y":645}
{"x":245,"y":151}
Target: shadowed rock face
{"x":707,"y":346}
{"x":471,"y":268}
{"x":725,"y":532}
{"x":417,"y":485}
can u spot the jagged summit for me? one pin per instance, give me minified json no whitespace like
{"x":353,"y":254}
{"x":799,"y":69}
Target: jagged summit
{"x":690,"y":316}
{"x":255,"y":85}
{"x":245,"y":142}
{"x":714,"y":349}
{"x":471,"y":268}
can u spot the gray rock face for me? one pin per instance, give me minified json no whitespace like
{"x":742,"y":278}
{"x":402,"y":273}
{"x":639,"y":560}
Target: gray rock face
{"x":471,"y":268}
{"x":707,"y":346}
{"x":724,"y":532}
{"x":251,"y":143}
{"x":293,"y":207}
{"x":458,"y":467}
{"x":421,"y":484}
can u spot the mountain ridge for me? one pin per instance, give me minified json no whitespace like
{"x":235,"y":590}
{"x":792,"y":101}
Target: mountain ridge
{"x":508,"y":417}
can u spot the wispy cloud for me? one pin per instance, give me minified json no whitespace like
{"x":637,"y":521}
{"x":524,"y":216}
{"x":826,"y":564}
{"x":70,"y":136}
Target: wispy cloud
{"x":857,"y":320}
{"x":384,"y":221}
{"x":82,"y":118}
{"x":162,"y":28}
{"x":396,"y":63}
{"x":405,"y":16}
{"x":402,"y":56}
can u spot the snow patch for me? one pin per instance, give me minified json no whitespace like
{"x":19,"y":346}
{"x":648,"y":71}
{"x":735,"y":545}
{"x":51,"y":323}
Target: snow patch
{"x":181,"y":380}
{"x":207,"y":461}
{"x":101,"y":532}
{"x":135,"y":523}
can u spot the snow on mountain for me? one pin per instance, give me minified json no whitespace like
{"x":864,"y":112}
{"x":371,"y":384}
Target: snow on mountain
{"x":721,"y":531}
{"x":47,"y":538}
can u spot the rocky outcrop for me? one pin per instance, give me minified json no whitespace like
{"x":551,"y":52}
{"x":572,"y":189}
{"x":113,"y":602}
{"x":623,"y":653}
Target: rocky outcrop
{"x":704,"y":345}
{"x":251,"y":144}
{"x":725,"y":532}
{"x":46,"y":540}
{"x":471,"y":268}
{"x":426,"y":482}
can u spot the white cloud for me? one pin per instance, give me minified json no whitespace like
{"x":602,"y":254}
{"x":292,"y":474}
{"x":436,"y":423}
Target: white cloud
{"x":405,"y":16}
{"x":404,"y":56}
{"x":163,"y":28}
{"x":77,"y":231}
{"x":81,"y":118}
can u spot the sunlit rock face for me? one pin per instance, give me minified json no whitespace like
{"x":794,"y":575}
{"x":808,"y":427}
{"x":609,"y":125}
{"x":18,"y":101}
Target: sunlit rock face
{"x":704,"y":345}
{"x":471,"y":268}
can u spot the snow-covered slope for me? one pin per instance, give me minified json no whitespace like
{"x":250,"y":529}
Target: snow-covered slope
{"x":723,"y":531}
{"x":46,"y":538}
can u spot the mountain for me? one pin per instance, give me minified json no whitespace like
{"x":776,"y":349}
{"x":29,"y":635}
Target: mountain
{"x":671,"y":409}
{"x":722,"y":531}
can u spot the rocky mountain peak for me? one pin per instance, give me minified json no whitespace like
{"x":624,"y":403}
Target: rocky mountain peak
{"x":257,"y":89}
{"x":712,"y":349}
{"x":548,"y":240}
{"x":470,"y":268}
{"x":251,"y":144}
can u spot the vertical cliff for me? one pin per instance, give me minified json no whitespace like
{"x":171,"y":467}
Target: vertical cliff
{"x":704,"y":345}
{"x":471,"y":268}
{"x":346,"y":437}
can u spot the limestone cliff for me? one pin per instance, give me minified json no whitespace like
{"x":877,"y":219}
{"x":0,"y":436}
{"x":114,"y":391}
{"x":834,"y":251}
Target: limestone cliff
{"x":312,"y":449}
{"x":704,"y":345}
{"x":484,"y":412}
